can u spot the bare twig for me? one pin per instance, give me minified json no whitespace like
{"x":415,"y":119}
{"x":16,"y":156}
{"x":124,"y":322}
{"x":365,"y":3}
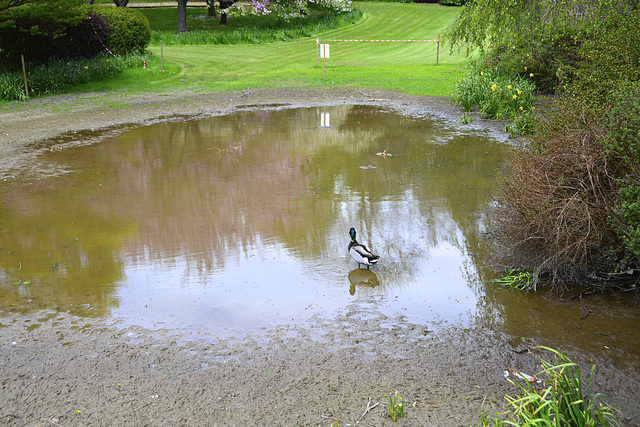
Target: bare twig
{"x":366,"y":411}
{"x":587,"y":313}
{"x":606,"y":335}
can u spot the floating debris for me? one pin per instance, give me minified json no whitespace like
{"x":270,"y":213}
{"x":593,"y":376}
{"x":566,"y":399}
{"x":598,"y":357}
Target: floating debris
{"x":384,"y":154}
{"x":368,"y":167}
{"x":519,"y":374}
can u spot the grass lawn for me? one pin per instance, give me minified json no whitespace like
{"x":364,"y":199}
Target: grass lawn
{"x":405,"y":66}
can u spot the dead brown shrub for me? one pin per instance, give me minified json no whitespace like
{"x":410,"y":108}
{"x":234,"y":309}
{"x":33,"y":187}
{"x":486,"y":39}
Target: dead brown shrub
{"x":558,"y":196}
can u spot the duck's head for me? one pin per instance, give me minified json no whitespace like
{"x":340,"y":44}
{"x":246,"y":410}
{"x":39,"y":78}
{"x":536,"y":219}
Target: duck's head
{"x":352,"y":233}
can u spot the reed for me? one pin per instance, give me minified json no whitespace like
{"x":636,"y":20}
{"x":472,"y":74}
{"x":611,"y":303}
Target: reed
{"x":563,"y":402}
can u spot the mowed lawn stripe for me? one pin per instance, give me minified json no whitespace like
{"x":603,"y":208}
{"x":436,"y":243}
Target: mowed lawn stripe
{"x":407,"y":66}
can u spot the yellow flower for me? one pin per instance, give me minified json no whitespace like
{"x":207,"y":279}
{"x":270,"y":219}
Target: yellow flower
{"x":533,"y":108}
{"x":530,"y":74}
{"x":86,"y":67}
{"x":482,"y":73}
{"x":515,"y":96}
{"x":509,"y":87}
{"x":521,"y":108}
{"x":493,"y":87}
{"x":519,"y":91}
{"x":525,"y":68}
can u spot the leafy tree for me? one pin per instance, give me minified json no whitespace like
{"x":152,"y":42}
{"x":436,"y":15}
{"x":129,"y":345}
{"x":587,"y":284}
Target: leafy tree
{"x":6,"y":4}
{"x":608,"y":60}
{"x":282,"y":8}
{"x":36,"y":28}
{"x":543,"y":35}
{"x":38,"y":17}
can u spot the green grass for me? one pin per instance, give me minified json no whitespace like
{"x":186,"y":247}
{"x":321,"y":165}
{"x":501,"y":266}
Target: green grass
{"x":408,"y":67}
{"x":203,"y":29}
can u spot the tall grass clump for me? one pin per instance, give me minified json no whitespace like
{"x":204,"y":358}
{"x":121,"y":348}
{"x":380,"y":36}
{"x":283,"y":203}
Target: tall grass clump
{"x":516,"y":279}
{"x":59,"y":74}
{"x":563,"y":402}
{"x":499,"y":96}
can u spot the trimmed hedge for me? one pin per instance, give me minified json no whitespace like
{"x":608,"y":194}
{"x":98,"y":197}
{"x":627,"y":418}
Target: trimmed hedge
{"x":129,"y":30}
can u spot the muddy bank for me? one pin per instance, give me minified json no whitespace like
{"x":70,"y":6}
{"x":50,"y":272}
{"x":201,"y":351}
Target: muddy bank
{"x":73,"y":371}
{"x":37,"y":119}
{"x":81,"y":373}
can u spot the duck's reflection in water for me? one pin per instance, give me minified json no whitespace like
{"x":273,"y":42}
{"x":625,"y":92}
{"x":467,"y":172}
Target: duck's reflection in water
{"x":362,"y":278}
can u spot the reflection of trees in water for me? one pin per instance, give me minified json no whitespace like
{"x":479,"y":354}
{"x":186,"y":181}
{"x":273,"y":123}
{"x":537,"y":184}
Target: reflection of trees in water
{"x":217,"y":188}
{"x":68,"y":247}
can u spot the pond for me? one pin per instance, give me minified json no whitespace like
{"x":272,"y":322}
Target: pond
{"x":236,"y":223}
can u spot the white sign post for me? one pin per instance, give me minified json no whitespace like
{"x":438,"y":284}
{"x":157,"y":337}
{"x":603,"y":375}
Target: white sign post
{"x":324,"y":54}
{"x":325,"y":119}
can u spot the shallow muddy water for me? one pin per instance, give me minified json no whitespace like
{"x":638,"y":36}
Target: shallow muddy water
{"x":233,"y":224}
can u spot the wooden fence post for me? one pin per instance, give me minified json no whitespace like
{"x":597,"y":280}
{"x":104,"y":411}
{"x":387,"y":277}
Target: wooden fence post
{"x":24,"y":74}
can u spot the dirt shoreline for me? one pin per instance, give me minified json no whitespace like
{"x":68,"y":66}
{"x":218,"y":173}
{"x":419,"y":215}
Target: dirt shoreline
{"x":82,"y":373}
{"x":58,"y":369}
{"x":43,"y":118}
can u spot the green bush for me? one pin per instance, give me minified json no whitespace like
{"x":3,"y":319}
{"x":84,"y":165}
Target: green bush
{"x":623,"y":127}
{"x":622,"y":143}
{"x":608,"y":59}
{"x":628,"y":223}
{"x":129,"y":30}
{"x":510,"y":60}
{"x":499,"y":96}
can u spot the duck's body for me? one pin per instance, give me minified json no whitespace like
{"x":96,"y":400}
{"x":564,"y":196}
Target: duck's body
{"x":360,"y":253}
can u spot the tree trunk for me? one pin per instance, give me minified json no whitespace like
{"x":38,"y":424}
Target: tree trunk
{"x":211,"y":8}
{"x":182,"y":16}
{"x":91,"y":1}
{"x":224,"y":4}
{"x":119,"y":3}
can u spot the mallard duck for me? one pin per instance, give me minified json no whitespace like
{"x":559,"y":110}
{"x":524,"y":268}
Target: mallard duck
{"x":360,"y":253}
